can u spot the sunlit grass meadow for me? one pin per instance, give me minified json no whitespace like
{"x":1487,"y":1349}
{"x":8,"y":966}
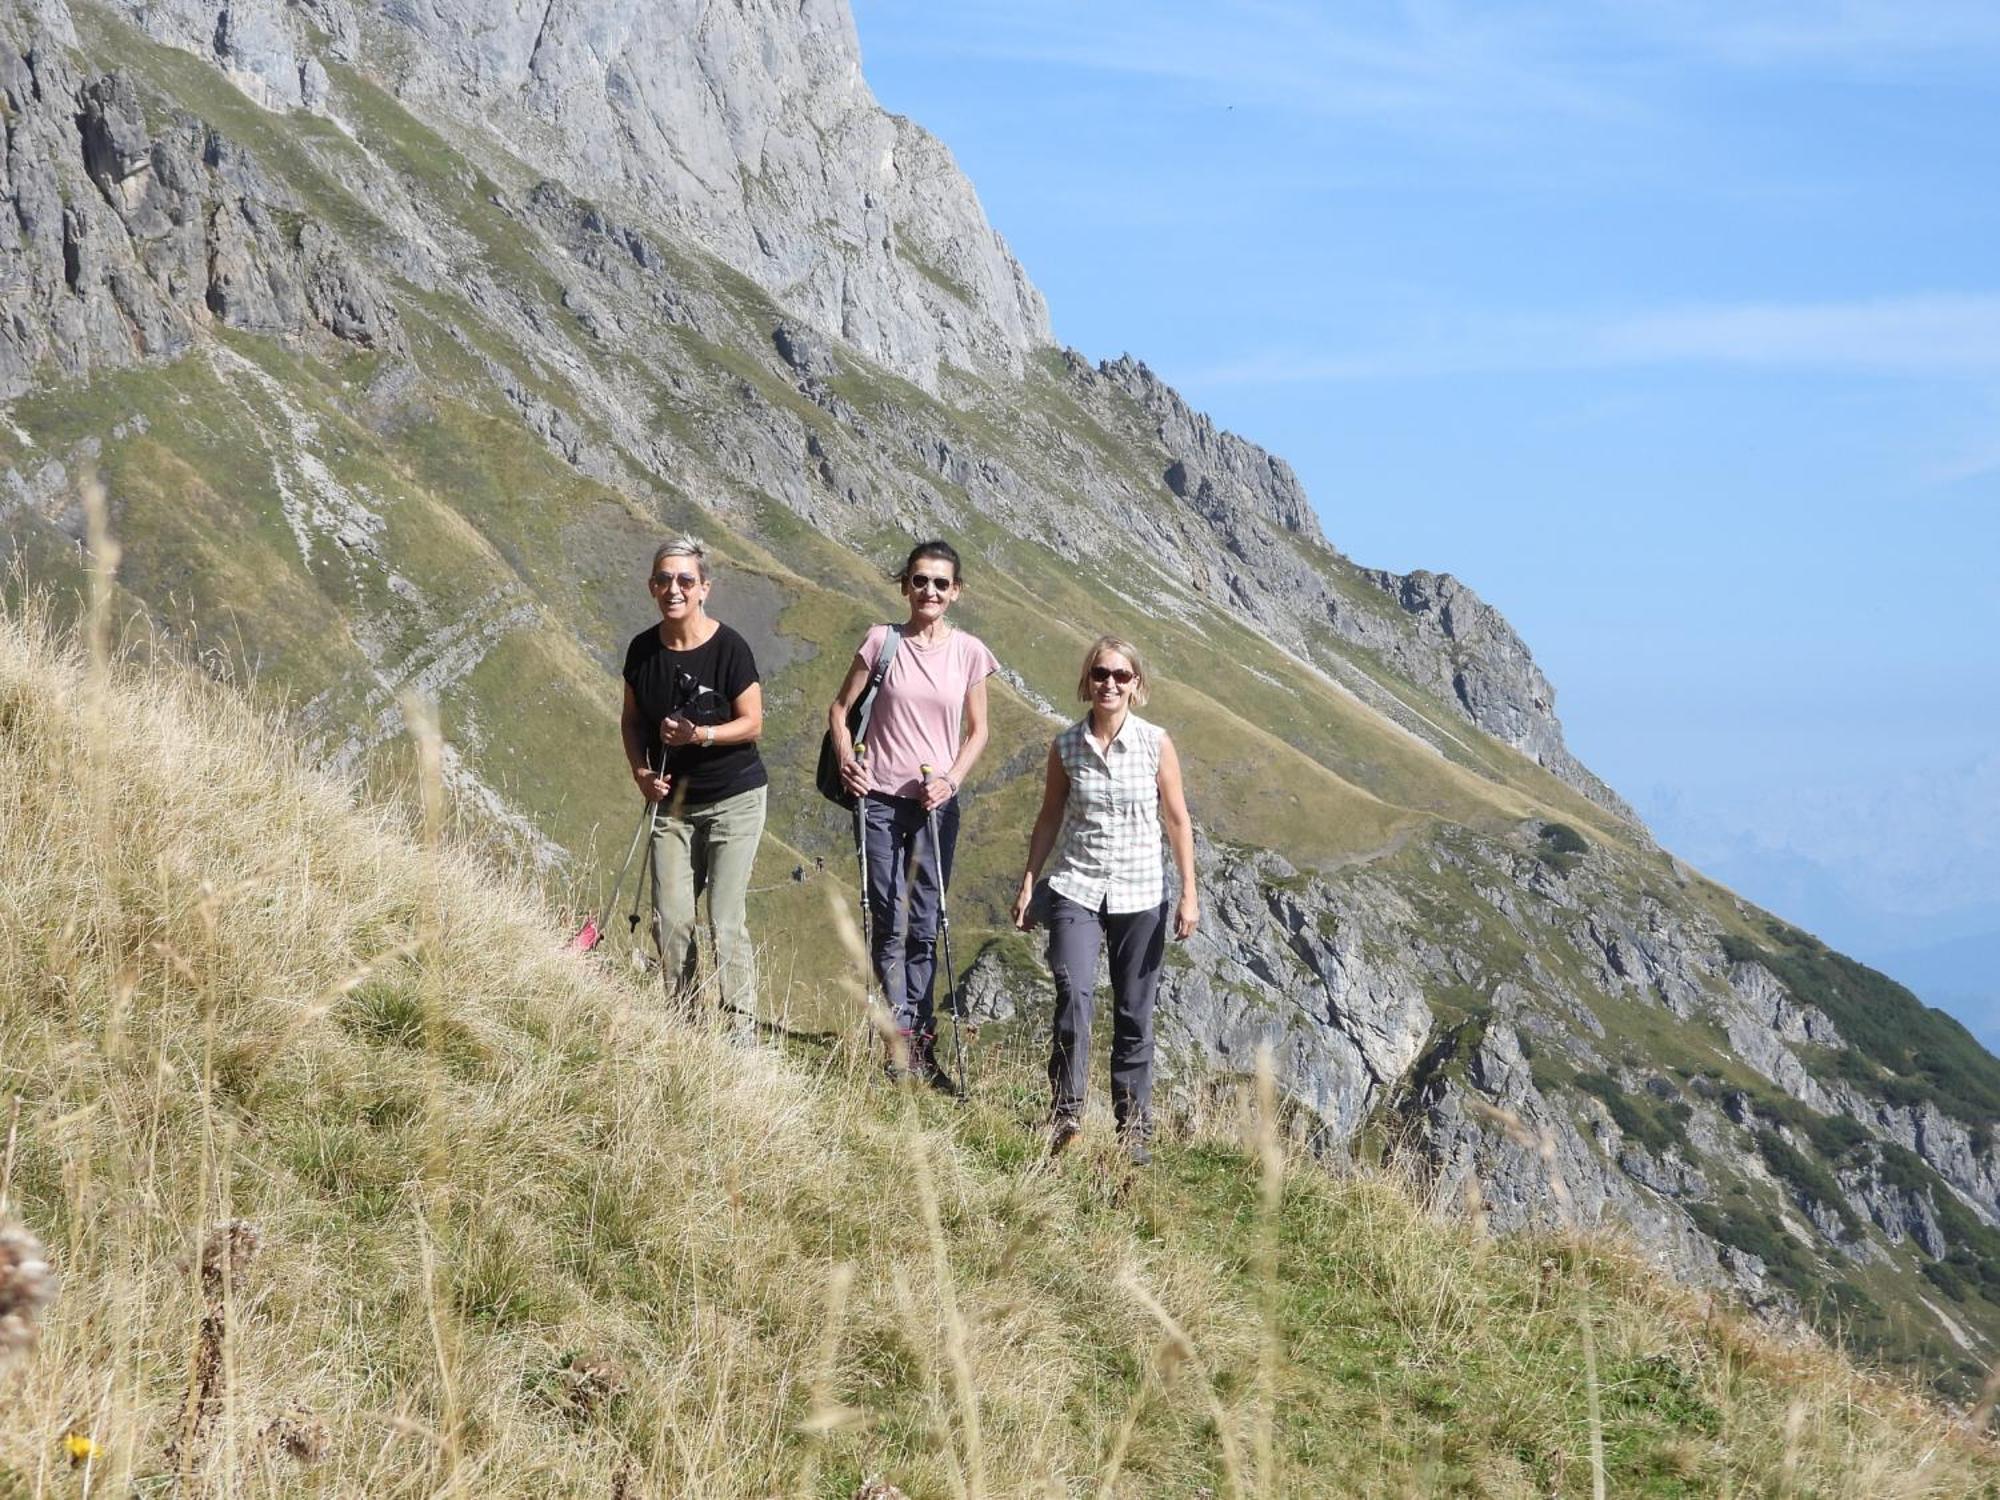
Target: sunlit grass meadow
{"x":357,"y":1183}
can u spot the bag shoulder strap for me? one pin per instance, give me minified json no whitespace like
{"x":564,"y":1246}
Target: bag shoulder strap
{"x":865,"y":708}
{"x":887,"y":654}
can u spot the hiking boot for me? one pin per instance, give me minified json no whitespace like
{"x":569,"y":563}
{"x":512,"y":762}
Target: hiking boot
{"x":1133,"y":1136}
{"x":900,"y":1064}
{"x":1062,"y":1130}
{"x":924,"y":1063}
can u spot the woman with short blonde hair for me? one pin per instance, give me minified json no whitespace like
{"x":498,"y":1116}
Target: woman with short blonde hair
{"x":1140,"y":689}
{"x":694,"y":711}
{"x":1113,"y":783}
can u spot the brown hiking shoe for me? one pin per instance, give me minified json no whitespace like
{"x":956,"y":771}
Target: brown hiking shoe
{"x":1062,"y":1130}
{"x":925,"y":1065}
{"x":901,"y":1063}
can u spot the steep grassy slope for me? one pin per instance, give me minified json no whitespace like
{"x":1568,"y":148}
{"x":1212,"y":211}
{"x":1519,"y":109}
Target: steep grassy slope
{"x":519,"y":1234}
{"x":455,"y":509}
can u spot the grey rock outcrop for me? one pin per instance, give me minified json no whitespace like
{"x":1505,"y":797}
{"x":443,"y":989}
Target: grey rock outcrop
{"x":1497,"y":1138}
{"x":1218,"y":473}
{"x":1281,"y":963}
{"x":1273,"y":562}
{"x":747,"y":127}
{"x":1901,"y":1213}
{"x":987,"y":991}
{"x":121,"y":243}
{"x":1467,"y":654}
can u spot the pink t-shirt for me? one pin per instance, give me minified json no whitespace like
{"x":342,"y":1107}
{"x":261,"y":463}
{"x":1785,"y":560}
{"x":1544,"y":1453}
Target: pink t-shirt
{"x":919,"y":713}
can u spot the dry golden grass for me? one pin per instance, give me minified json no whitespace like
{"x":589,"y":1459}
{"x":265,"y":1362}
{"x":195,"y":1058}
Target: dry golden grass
{"x":517,"y":1233}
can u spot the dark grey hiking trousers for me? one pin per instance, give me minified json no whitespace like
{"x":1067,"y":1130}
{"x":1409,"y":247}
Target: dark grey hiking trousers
{"x":1138,"y":943}
{"x":903,"y":867}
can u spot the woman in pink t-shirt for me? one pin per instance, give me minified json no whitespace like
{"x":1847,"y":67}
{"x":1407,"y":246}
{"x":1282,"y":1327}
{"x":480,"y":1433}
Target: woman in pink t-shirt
{"x":929,"y":711}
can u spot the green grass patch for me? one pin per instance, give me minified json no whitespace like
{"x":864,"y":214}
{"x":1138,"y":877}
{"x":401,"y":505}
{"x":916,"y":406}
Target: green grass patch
{"x":1658,"y":1124}
{"x":1808,"y":1181}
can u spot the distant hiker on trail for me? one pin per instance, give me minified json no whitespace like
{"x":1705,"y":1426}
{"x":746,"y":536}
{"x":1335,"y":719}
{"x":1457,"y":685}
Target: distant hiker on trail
{"x":1113,"y":779}
{"x":693,"y":712}
{"x":929,"y":714}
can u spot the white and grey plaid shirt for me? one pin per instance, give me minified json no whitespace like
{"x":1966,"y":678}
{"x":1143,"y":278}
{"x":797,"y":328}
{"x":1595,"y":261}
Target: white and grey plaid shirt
{"x":1107,"y":856}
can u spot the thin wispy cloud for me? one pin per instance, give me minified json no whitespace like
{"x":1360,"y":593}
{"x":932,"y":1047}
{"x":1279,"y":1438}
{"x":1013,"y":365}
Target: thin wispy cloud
{"x":1924,"y":337}
{"x":1434,"y":66}
{"x":1869,"y":34}
{"x":1975,"y":458}
{"x":1889,"y":335}
{"x":1443,"y":66}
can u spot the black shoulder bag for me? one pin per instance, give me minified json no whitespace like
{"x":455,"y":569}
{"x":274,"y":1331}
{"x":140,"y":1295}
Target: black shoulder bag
{"x":827,"y":776}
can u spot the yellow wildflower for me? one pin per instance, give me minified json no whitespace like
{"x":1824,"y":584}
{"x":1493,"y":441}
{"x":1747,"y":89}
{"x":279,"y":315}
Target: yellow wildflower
{"x":81,"y":1449}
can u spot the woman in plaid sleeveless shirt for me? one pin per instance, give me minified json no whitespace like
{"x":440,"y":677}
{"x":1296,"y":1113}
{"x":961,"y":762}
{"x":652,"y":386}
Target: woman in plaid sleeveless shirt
{"x":1114,"y":780}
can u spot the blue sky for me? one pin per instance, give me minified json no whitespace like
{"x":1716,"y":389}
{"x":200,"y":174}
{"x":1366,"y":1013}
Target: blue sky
{"x":1673,"y":327}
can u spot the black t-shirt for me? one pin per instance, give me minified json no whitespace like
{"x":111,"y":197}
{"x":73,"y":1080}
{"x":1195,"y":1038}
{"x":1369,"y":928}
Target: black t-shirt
{"x":702,"y":685}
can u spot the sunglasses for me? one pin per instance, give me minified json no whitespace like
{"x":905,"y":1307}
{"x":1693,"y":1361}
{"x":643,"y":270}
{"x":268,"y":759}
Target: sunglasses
{"x":919,"y":582}
{"x":668,"y":580}
{"x":1119,"y":675}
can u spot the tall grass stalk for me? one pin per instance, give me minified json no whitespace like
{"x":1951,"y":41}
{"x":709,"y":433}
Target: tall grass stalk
{"x":7,"y":1161}
{"x":957,"y":1336}
{"x":1184,"y":1351}
{"x":1270,"y":1154}
{"x":1121,"y":1442}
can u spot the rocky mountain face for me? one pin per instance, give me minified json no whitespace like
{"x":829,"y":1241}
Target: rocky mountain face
{"x":398,"y":334}
{"x":746,"y":128}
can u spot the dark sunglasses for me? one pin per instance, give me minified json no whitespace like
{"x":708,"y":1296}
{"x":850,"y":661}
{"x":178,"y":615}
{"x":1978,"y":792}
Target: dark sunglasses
{"x":667,"y":580}
{"x":922,"y":581}
{"x":1119,"y":675}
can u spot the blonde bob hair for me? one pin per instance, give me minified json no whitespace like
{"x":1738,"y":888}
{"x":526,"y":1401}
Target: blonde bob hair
{"x":1123,"y":648}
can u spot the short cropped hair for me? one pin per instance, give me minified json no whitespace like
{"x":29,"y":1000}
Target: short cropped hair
{"x":1124,"y":648}
{"x":682,"y":546}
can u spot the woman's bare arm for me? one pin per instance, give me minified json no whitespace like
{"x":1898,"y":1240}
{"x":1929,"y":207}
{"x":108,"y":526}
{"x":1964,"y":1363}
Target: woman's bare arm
{"x":969,"y":751}
{"x":1180,"y":836}
{"x":1048,"y":823}
{"x":853,"y":775}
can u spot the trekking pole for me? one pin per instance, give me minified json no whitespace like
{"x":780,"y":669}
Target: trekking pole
{"x":861,"y":855}
{"x":590,"y":934}
{"x":953,"y":1000}
{"x":647,"y":874}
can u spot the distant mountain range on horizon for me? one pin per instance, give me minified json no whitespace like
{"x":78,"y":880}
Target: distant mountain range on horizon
{"x":1905,"y":875}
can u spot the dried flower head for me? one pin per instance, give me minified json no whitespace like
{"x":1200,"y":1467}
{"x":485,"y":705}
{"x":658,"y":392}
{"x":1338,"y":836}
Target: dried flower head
{"x":27,"y":1285}
{"x":298,"y":1434}
{"x":227,"y":1252}
{"x":592,"y":1379}
{"x":878,"y":1489}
